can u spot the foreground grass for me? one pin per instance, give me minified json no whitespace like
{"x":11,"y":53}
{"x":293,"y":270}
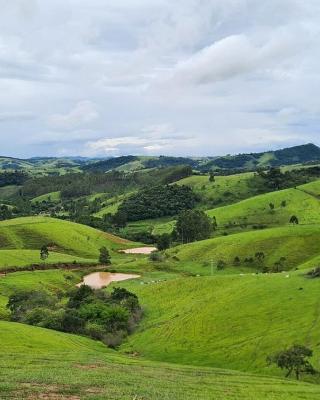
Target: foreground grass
{"x":37,"y":363}
{"x":229,"y":321}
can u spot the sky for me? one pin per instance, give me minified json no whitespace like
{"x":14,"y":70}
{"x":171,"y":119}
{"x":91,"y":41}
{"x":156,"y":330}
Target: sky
{"x":102,"y":78}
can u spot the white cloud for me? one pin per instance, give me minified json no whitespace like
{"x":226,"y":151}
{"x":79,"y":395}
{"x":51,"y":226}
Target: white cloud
{"x":237,"y":55}
{"x":83,"y":113}
{"x":211,"y":70}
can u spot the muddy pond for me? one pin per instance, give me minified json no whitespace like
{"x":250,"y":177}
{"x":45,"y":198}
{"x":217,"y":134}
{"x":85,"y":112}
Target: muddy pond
{"x":98,"y":280}
{"x":139,"y":250}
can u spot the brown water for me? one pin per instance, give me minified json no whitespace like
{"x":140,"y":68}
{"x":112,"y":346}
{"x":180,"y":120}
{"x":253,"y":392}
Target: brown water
{"x":139,"y":250}
{"x":98,"y":280}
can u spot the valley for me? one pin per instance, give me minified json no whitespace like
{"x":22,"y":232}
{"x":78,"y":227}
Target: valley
{"x":216,"y":265}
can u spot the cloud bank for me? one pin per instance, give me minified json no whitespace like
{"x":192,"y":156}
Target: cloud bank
{"x":192,"y":77}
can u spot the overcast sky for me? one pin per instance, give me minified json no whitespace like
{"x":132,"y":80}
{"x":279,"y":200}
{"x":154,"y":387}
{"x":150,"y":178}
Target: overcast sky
{"x":183,"y":77}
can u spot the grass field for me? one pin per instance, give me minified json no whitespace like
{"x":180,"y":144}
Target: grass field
{"x":297,"y":244}
{"x":312,"y":187}
{"x":229,"y":321}
{"x":256,"y":210}
{"x":225,"y":190}
{"x":43,"y":364}
{"x":54,"y":197}
{"x":21,"y":258}
{"x":64,"y":236}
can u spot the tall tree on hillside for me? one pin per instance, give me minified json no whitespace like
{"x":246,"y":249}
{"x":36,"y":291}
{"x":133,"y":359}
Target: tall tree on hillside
{"x":104,"y":256}
{"x":44,"y":252}
{"x":294,"y":359}
{"x":294,"y":220}
{"x":164,"y":241}
{"x":193,"y":225}
{"x":211,"y":177}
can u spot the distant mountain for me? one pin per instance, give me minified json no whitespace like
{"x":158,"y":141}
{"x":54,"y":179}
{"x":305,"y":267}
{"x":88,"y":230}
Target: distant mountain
{"x":307,"y":153}
{"x":107,"y":165}
{"x":250,"y":161}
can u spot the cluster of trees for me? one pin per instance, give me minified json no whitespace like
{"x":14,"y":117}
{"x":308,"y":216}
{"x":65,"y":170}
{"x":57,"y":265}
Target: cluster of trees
{"x":165,"y":161}
{"x":77,"y":184}
{"x":257,"y":260}
{"x":7,"y":212}
{"x":157,"y":201}
{"x":12,"y":178}
{"x":275,"y":179}
{"x":192,"y":225}
{"x":95,"y":313}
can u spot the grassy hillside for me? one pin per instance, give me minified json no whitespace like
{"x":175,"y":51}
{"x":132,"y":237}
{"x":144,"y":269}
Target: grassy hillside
{"x":296,"y":243}
{"x":39,"y":363}
{"x":312,"y":188}
{"x":225,"y":190}
{"x":7,"y":192}
{"x":227,"y":321}
{"x":63,"y":236}
{"x":21,"y":258}
{"x":256,"y":210}
{"x":54,"y":197}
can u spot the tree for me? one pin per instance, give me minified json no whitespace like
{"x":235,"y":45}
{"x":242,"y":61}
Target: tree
{"x":120,"y":219}
{"x":236,"y":261}
{"x":211,"y":177}
{"x":284,"y":203}
{"x":294,"y":220}
{"x":164,"y":241}
{"x":271,"y":206}
{"x":220,"y":265}
{"x":193,"y":225}
{"x":44,"y":252}
{"x":260,"y":256}
{"x":104,"y":257}
{"x":294,"y":360}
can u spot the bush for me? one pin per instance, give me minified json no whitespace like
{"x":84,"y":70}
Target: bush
{"x":95,"y":313}
{"x":156,"y":256}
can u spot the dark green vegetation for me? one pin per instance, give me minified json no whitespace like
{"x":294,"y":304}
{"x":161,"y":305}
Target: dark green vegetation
{"x":94,"y":313}
{"x":193,"y":225}
{"x":294,"y":360}
{"x":226,"y":308}
{"x":157,"y":201}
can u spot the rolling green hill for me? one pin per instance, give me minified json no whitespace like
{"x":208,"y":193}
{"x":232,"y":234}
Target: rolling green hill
{"x":227,"y":321}
{"x":67,"y":240}
{"x":54,"y":197}
{"x":225,"y":190}
{"x":39,"y":363}
{"x":256,"y":210}
{"x":22,"y":258}
{"x":296,"y":243}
